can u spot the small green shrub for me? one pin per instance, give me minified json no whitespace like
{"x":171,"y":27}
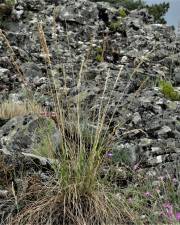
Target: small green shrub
{"x":121,"y":156}
{"x":99,"y":58}
{"x":116,"y":25}
{"x":122,"y":13}
{"x":99,"y":50}
{"x":168,"y":90}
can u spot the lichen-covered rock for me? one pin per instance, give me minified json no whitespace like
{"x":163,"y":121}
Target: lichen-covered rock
{"x":23,"y":134}
{"x":107,"y":42}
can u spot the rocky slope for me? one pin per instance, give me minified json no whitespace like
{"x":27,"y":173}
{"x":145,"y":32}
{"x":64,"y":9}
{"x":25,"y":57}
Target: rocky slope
{"x":108,"y":42}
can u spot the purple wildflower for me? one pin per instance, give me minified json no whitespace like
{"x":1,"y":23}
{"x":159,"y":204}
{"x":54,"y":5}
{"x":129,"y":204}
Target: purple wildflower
{"x":109,"y":154}
{"x":175,"y":180}
{"x":136,"y":166}
{"x":167,"y":205}
{"x":177,"y":216}
{"x":169,"y":210}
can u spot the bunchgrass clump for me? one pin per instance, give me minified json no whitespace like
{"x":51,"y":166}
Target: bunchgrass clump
{"x":10,"y":109}
{"x":78,"y":194}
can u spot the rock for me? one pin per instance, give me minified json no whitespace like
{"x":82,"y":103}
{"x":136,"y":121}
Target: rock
{"x":32,"y":71}
{"x":32,"y":5}
{"x":80,"y":12}
{"x":4,"y":75}
{"x":156,"y":150}
{"x":3,"y":193}
{"x":17,"y":13}
{"x":23,"y":134}
{"x":128,"y":61}
{"x":137,"y":118}
{"x":124,"y":59}
{"x":164,"y":130}
{"x":177,"y":76}
{"x":145,"y":142}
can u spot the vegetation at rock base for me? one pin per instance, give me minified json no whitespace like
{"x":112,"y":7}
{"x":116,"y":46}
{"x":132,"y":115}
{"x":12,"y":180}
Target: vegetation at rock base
{"x":45,"y":146}
{"x":5,"y":11}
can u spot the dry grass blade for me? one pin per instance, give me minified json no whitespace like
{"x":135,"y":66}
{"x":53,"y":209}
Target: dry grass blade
{"x":9,"y":109}
{"x":44,"y":44}
{"x":56,"y":207}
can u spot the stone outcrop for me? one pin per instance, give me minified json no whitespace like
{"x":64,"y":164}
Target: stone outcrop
{"x":80,"y":30}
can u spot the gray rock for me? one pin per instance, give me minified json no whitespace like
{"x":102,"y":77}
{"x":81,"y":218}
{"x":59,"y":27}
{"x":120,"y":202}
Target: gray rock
{"x":145,"y":142}
{"x":23,"y":134}
{"x":149,"y":130}
{"x":3,"y":193}
{"x":32,"y":71}
{"x":4,"y":75}
{"x":137,"y":118}
{"x":177,"y":76}
{"x":80,"y":12}
{"x":164,"y":130}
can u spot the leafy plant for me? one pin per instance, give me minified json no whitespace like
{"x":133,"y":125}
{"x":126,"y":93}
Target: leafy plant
{"x":99,"y":58}
{"x":116,"y":25}
{"x":122,"y":12}
{"x":121,"y":156}
{"x":168,"y":90}
{"x":100,"y":54}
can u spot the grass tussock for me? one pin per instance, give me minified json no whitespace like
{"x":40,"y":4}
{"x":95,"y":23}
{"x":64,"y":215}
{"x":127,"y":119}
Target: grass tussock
{"x":10,"y":109}
{"x":73,"y":206}
{"x":78,"y":194}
